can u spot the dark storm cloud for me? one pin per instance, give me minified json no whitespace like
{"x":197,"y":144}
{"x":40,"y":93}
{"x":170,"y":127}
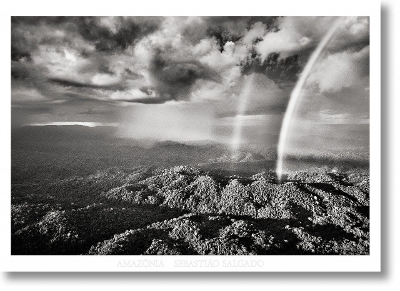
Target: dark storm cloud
{"x":77,"y":98}
{"x":63,"y":58}
{"x":74,"y":84}
{"x":275,"y":68}
{"x":174,"y":78}
{"x":106,"y":70}
{"x":132,"y":74}
{"x":126,"y":30}
{"x":25,"y":34}
{"x":19,"y":72}
{"x":148,"y":100}
{"x":18,"y":53}
{"x":96,"y":111}
{"x":239,"y":22}
{"x":233,"y":28}
{"x":224,"y":28}
{"x":223,"y":36}
{"x":38,"y":20}
{"x":28,"y":71}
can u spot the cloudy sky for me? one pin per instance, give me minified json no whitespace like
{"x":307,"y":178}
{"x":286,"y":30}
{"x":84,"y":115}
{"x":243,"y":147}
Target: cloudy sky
{"x":192,"y":78}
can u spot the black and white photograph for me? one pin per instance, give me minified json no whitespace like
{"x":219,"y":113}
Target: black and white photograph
{"x":218,"y":135}
{"x":206,"y":145}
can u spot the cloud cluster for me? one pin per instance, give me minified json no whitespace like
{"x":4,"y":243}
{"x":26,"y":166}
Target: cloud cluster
{"x":341,"y":70}
{"x":75,"y":67}
{"x":68,"y":57}
{"x":173,"y":79}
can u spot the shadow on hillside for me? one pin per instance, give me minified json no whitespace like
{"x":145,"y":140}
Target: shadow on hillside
{"x":92,"y":224}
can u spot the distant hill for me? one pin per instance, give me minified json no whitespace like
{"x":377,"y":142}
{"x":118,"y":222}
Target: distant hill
{"x":239,"y":157}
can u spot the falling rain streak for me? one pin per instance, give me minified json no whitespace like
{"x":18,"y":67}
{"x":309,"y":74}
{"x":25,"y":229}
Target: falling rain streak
{"x":296,"y":96}
{"x":238,"y":128}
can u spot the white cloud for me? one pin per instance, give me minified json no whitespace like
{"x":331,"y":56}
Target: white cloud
{"x":64,"y":64}
{"x":130,"y":95}
{"x":109,"y":22}
{"x":338,"y":71}
{"x":205,"y":46}
{"x":298,"y":33}
{"x":105,"y":79}
{"x":257,"y":30}
{"x":358,"y":25}
{"x":70,"y":56}
{"x":294,"y":34}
